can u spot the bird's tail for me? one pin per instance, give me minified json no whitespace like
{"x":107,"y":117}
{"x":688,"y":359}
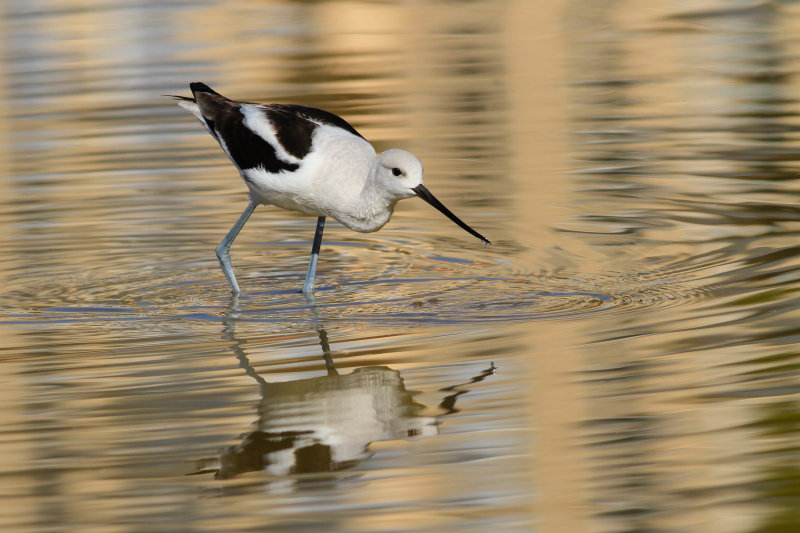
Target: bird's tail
{"x":190,"y":103}
{"x":182,"y":98}
{"x":196,"y":87}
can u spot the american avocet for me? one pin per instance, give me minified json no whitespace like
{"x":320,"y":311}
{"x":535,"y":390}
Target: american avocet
{"x":308,"y":160}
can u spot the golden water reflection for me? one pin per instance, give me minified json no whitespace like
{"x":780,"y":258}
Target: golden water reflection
{"x":326,"y":423}
{"x":634,"y":164}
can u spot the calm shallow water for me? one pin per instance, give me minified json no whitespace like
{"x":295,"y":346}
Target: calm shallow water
{"x":623,"y":358}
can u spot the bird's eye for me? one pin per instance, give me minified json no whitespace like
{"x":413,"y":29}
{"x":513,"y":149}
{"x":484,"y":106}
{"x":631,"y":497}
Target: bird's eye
{"x":396,"y":171}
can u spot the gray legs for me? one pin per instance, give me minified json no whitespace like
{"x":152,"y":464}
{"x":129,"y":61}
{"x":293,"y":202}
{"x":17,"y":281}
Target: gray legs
{"x":308,"y":286}
{"x":225,"y":246}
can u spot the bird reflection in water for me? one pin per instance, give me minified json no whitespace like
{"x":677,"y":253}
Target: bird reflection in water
{"x":326,"y":423}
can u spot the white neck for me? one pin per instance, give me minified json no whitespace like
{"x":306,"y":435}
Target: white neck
{"x":374,"y":205}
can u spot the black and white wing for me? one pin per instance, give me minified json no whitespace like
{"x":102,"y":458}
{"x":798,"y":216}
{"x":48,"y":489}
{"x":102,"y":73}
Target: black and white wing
{"x":275,"y":137}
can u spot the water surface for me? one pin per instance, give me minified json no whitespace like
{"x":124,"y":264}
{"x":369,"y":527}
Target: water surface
{"x":623,"y":358}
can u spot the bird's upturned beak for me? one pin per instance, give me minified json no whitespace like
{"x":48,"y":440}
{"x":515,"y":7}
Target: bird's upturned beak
{"x":423,"y":192}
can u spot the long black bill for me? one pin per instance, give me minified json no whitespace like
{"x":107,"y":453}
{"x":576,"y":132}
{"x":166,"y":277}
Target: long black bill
{"x":426,"y":195}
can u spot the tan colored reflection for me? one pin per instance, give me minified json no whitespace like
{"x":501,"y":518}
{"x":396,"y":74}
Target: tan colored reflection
{"x":478,"y":90}
{"x":687,"y":93}
{"x":326,"y":423}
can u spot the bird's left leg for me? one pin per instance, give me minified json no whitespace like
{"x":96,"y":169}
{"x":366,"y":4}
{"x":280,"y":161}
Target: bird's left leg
{"x":225,"y":246}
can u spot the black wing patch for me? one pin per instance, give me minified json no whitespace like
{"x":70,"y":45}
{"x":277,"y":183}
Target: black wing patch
{"x":247,"y":149}
{"x":294,"y":127}
{"x":294,"y":132}
{"x":295,"y":124}
{"x":318,"y":115}
{"x":210,"y":126}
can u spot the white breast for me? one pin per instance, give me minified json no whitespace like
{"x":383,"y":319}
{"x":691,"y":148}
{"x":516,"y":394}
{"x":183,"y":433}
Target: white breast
{"x":328,"y":182}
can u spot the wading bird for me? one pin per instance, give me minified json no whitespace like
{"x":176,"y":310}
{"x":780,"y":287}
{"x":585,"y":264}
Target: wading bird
{"x":309,"y":160}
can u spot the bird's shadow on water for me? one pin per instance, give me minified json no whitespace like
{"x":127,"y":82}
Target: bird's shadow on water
{"x":313,"y":427}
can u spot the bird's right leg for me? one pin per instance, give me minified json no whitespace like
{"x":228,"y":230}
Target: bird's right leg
{"x":308,"y":286}
{"x":225,"y":246}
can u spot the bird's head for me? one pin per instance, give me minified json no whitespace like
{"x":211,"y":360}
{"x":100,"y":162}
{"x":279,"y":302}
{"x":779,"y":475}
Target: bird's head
{"x":399,"y":172}
{"x":400,"y":175}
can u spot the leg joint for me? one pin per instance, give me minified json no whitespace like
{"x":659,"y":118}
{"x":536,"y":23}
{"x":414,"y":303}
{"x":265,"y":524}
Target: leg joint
{"x":221,"y":251}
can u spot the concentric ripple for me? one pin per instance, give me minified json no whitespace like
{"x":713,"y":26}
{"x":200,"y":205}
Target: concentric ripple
{"x":379,"y":280}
